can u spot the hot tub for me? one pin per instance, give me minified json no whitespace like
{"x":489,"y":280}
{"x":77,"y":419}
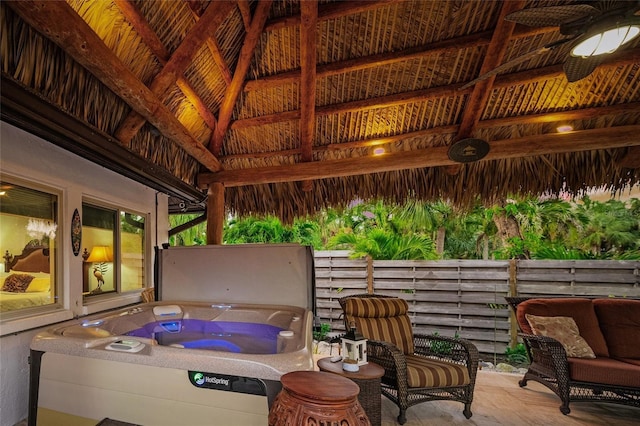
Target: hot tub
{"x":176,"y":362}
{"x":171,"y":363}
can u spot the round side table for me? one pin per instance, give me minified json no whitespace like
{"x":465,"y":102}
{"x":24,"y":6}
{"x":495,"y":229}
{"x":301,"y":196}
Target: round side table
{"x":317,"y":398}
{"x":368,"y":379}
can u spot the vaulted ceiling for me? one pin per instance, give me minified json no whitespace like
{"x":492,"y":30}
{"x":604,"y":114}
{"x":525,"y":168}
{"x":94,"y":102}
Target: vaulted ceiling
{"x":281,"y":106}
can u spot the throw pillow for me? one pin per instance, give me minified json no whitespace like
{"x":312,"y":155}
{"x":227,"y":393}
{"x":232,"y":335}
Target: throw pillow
{"x":565,"y":331}
{"x":17,"y":283}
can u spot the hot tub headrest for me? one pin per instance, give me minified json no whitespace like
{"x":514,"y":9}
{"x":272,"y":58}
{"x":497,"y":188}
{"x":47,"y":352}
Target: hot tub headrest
{"x":167,"y":311}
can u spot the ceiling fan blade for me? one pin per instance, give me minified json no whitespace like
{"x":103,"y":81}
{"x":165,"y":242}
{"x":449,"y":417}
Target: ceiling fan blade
{"x":552,"y":16}
{"x":577,"y":68}
{"x":516,"y":61}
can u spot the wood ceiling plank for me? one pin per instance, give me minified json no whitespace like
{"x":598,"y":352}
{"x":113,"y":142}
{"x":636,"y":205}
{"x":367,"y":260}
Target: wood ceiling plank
{"x":178,"y":63}
{"x":244,"y":61}
{"x":151,"y":39}
{"x":58,"y":22}
{"x":528,"y":146}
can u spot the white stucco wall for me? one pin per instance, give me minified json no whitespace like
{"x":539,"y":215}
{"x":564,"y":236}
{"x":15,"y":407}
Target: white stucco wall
{"x":29,"y":158}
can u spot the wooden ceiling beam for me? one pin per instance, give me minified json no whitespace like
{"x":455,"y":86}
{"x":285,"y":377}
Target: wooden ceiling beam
{"x":151,"y":39}
{"x":451,"y":90}
{"x":245,"y":11}
{"x":329,"y":11}
{"x":528,"y":146}
{"x":178,"y":63}
{"x":387,"y":58}
{"x":216,"y":54}
{"x":58,"y":22}
{"x":493,"y":57}
{"x":242,"y":67}
{"x":309,"y":19}
{"x":561,"y":116}
{"x":631,"y":160}
{"x":308,"y":24}
{"x":630,"y":57}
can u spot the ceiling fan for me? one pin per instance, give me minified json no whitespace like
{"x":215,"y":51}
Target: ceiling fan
{"x":593,"y":30}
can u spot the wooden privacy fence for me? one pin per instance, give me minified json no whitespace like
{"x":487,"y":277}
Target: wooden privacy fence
{"x":466,"y":297}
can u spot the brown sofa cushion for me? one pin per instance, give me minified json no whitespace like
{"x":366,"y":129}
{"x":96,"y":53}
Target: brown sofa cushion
{"x":580,"y":309}
{"x":620,"y":324}
{"x":604,"y":370}
{"x":630,"y":361}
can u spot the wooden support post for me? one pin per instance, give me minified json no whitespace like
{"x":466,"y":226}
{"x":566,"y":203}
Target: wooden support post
{"x":215,"y":213}
{"x":370,"y":288}
{"x":513,"y":291}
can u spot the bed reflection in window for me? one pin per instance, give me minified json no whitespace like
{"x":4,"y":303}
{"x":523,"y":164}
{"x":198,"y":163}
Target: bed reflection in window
{"x":27,"y":240}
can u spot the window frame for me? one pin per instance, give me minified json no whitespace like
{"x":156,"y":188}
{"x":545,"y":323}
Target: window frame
{"x":117,"y":298}
{"x":38,"y":316}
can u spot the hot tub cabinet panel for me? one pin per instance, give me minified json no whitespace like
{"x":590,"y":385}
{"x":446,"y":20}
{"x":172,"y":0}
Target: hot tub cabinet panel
{"x":88,"y":369}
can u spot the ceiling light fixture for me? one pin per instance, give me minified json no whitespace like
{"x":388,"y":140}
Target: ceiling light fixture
{"x":378,"y":151}
{"x":564,"y":128}
{"x":607,"y":41}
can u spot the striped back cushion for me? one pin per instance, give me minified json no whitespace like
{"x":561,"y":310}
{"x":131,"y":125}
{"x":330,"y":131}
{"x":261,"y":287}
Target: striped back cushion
{"x":384,"y":319}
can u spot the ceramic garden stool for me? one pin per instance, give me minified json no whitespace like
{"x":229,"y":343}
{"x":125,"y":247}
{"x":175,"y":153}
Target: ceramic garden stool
{"x":317,"y":398}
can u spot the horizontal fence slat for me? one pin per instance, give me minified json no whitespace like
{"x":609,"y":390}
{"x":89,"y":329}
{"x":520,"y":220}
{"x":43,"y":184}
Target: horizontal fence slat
{"x":466,"y":296}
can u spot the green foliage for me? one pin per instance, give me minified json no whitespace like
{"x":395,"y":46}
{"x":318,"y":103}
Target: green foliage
{"x":441,"y":347}
{"x":517,"y":355}
{"x":530,"y":228}
{"x":322,"y":333}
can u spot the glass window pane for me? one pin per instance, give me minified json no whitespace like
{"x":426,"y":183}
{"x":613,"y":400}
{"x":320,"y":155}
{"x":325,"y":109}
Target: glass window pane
{"x":98,"y":239}
{"x":28,"y":235}
{"x":132,"y":251}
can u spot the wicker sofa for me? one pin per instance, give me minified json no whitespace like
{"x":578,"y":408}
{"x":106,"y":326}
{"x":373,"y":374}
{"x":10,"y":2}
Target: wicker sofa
{"x":607,"y":370}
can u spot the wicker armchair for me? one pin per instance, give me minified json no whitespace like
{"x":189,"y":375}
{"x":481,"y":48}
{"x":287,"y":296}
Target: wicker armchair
{"x":418,"y":368}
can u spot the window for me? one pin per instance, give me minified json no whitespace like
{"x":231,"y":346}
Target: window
{"x":28,"y":243}
{"x":114,"y":250}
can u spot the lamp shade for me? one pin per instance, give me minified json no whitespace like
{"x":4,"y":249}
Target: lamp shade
{"x":100,"y":254}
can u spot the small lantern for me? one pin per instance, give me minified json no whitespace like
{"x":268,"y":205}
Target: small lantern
{"x":354,"y":346}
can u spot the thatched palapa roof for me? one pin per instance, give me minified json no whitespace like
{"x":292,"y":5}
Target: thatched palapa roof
{"x":277,"y":106}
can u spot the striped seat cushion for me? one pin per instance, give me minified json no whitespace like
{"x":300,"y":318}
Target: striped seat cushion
{"x":427,"y":373}
{"x":383,"y":319}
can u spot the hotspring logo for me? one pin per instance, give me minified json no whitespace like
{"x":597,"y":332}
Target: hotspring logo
{"x":209,"y":380}
{"x":198,"y":379}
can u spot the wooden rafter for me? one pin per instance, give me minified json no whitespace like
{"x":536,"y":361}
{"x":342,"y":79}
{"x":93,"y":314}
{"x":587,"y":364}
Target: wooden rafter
{"x":150,"y":38}
{"x":329,"y":11}
{"x":584,"y":140}
{"x":245,"y":11}
{"x":561,"y":116}
{"x":53,"y":20}
{"x":496,"y":51}
{"x":308,"y":22}
{"x":178,"y":63}
{"x":631,"y":56}
{"x":216,"y":53}
{"x":631,"y":160}
{"x":233,"y":90}
{"x":349,"y":65}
